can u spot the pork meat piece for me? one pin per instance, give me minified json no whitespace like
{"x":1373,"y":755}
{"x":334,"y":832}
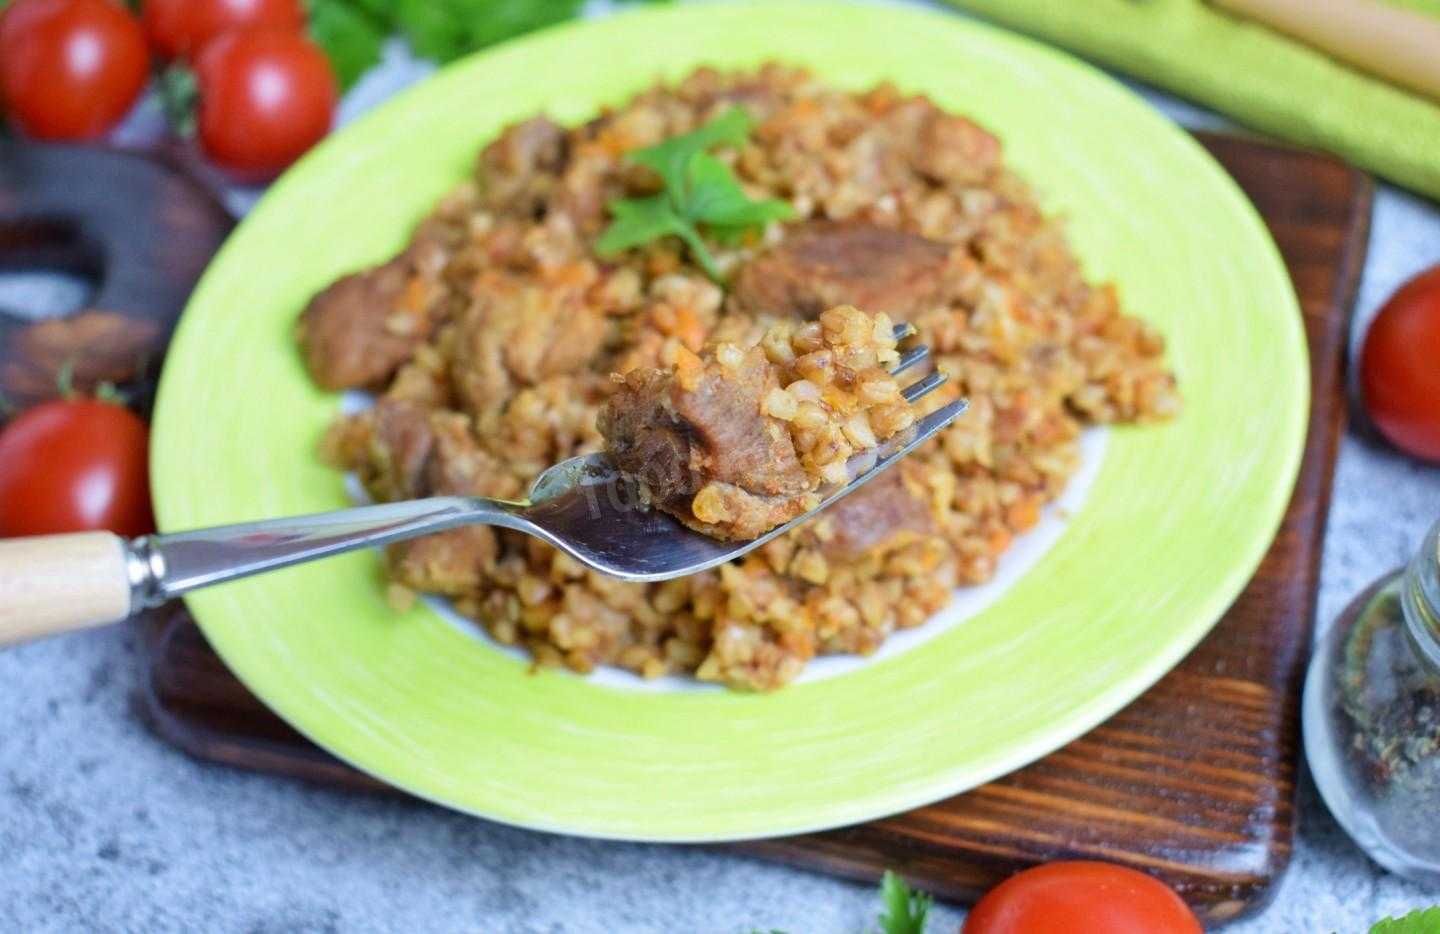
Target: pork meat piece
{"x":355,"y":333}
{"x":880,"y":514}
{"x":679,"y":432}
{"x":822,"y":265}
{"x":517,"y":334}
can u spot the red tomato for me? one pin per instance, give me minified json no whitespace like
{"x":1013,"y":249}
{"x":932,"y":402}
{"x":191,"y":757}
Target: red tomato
{"x":266,"y":96}
{"x":180,"y":28}
{"x":1400,"y":367}
{"x":74,"y":465}
{"x":1081,"y":897}
{"x":70,"y":69}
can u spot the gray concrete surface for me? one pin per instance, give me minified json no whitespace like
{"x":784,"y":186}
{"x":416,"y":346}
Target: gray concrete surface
{"x":105,"y":828}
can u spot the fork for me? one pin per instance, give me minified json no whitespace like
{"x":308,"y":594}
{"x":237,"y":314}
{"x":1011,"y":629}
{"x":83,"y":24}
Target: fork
{"x":582,"y":506}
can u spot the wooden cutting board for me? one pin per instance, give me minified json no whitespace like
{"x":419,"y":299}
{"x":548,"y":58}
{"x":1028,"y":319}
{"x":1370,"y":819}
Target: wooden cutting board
{"x":137,"y":233}
{"x":1194,"y":782}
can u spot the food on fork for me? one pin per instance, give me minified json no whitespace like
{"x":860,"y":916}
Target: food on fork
{"x":491,"y":341}
{"x":739,"y":439}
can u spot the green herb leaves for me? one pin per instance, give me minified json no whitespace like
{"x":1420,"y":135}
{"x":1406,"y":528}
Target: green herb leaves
{"x":1416,"y":922}
{"x":352,"y":31}
{"x":699,"y":189}
{"x":446,"y":29}
{"x":905,"y":908}
{"x":640,"y":220}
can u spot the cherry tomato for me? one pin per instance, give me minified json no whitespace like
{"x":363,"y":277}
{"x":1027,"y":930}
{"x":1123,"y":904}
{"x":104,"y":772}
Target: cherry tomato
{"x":1400,"y":367}
{"x":1081,"y":897}
{"x":266,"y":96}
{"x":180,"y":28}
{"x":73,"y":465}
{"x":70,"y":69}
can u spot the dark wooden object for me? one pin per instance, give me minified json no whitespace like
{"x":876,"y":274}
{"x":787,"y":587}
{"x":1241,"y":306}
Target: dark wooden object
{"x":1194,"y":781}
{"x":139,"y":233}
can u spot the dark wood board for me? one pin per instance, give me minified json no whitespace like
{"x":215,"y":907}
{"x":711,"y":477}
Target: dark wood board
{"x":137,"y":232}
{"x":1194,"y":781}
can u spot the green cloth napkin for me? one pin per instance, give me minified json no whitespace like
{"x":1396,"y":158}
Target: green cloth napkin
{"x":1251,"y":73}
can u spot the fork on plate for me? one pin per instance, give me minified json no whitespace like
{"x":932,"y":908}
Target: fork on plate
{"x":57,"y":583}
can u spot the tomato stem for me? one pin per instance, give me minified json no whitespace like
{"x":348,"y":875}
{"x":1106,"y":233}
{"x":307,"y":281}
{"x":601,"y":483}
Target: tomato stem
{"x":109,"y":392}
{"x":65,"y":379}
{"x":179,"y":96}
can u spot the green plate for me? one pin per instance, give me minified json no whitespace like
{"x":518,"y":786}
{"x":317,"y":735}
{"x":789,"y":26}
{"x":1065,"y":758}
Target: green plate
{"x":1175,"y":521}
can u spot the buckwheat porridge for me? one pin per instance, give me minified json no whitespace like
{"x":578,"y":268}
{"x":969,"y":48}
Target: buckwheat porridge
{"x":498,"y":337}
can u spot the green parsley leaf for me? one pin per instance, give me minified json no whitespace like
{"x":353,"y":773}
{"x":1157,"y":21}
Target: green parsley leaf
{"x":905,"y":909}
{"x":1420,"y":921}
{"x":447,"y":29}
{"x":637,"y":221}
{"x":640,"y":220}
{"x":179,"y":94}
{"x":716,"y":198}
{"x":351,"y":34}
{"x":434,"y":28}
{"x":352,"y":31}
{"x":698,"y":189}
{"x":492,"y":21}
{"x":671,"y":159}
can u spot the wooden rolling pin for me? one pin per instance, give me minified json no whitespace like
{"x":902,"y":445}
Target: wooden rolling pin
{"x":1397,"y":44}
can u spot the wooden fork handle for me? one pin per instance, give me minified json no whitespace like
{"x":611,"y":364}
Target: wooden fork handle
{"x":57,"y":583}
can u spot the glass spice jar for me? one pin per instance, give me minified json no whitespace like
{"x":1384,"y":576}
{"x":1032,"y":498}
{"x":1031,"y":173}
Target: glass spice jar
{"x":1371,"y":717}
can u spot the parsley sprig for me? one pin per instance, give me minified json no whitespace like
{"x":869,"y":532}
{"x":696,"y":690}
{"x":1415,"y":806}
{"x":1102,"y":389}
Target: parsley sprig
{"x":699,"y":189}
{"x":1426,"y":921}
{"x":352,"y":31}
{"x":905,"y":908}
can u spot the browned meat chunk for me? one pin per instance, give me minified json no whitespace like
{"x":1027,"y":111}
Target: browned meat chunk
{"x":518,"y":334}
{"x":880,"y":514}
{"x":389,"y":446}
{"x":743,"y":447}
{"x":400,"y":450}
{"x":679,"y":432}
{"x":953,"y":149}
{"x":823,"y":265}
{"x":460,"y":466}
{"x":452,"y":563}
{"x":360,"y":329}
{"x":519,"y":169}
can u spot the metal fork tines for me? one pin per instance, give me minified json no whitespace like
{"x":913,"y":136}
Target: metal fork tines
{"x":911,"y":358}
